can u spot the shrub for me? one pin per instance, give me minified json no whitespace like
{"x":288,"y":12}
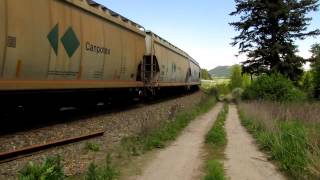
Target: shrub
{"x":50,"y":169}
{"x":107,"y":172}
{"x":273,"y":87}
{"x":237,"y":93}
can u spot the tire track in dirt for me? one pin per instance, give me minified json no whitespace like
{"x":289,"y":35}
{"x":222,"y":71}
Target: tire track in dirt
{"x":244,"y":160}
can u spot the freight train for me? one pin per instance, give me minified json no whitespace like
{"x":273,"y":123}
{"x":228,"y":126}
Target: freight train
{"x":54,"y":51}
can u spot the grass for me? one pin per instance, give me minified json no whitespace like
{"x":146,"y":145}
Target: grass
{"x":106,"y":172}
{"x":216,"y":141}
{"x":91,"y":146}
{"x":50,"y":169}
{"x":290,"y":140}
{"x":215,"y":171}
{"x":154,"y":138}
{"x":168,"y":131}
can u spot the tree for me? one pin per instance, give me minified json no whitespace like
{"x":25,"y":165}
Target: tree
{"x":236,"y":77}
{"x":307,"y":84}
{"x":315,"y":66}
{"x":268,"y":29}
{"x":205,"y":74}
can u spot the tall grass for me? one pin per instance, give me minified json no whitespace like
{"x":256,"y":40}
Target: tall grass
{"x":216,"y":141}
{"x":289,"y":132}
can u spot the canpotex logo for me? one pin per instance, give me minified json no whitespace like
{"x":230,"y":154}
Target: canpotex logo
{"x":69,"y":40}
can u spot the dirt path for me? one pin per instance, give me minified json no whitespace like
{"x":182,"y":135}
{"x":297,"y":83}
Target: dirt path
{"x":182,"y":159}
{"x":244,"y":160}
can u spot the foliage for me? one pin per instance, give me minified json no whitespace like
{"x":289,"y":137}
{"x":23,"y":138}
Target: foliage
{"x":50,"y":169}
{"x":288,"y":142}
{"x":237,"y":93}
{"x":246,"y":80}
{"x":167,"y":131}
{"x":273,"y":87}
{"x":205,"y":74}
{"x":107,"y":172}
{"x":268,"y":29}
{"x":216,"y":140}
{"x":315,"y":65}
{"x":236,"y":77}
{"x":217,"y":134}
{"x":307,"y":84}
{"x":92,"y":146}
{"x":215,"y":171}
{"x":223,"y":89}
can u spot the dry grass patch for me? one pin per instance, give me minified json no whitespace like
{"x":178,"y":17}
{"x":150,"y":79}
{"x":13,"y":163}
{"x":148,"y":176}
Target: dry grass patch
{"x":289,"y":132}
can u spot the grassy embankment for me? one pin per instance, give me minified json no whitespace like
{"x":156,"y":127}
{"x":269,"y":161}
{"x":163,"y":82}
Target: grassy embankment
{"x":168,"y":131}
{"x":128,"y":148}
{"x":216,"y":141}
{"x":159,"y":137}
{"x":290,"y":133}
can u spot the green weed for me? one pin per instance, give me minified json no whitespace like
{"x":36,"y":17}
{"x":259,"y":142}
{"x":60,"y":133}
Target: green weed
{"x":92,"y":146}
{"x":216,"y":141}
{"x":50,"y":169}
{"x":107,"y":172}
{"x":217,"y":134}
{"x":215,"y":171}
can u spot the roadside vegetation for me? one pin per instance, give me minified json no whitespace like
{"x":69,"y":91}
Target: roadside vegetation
{"x":91,"y":146}
{"x":50,"y":169}
{"x":105,"y":172}
{"x":168,"y":131}
{"x":278,"y":103}
{"x":216,"y":141}
{"x":288,"y":132}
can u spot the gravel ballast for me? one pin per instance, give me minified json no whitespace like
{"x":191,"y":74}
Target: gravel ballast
{"x":116,"y":126}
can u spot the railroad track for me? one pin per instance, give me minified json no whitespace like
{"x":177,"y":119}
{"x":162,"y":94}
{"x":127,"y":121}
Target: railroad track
{"x":26,"y":151}
{"x":30,"y":150}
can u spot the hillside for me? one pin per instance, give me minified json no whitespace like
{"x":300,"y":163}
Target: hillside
{"x":220,"y":71}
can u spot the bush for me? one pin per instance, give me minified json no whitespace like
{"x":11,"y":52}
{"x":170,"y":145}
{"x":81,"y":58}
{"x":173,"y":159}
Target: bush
{"x":273,"y":87}
{"x":237,"y":93}
{"x":51,"y":169}
{"x":107,"y":172}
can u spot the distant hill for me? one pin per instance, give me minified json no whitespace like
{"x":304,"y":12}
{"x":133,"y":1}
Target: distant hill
{"x":220,"y":71}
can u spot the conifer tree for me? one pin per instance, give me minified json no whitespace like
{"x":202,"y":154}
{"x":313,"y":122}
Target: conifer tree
{"x":268,"y":29}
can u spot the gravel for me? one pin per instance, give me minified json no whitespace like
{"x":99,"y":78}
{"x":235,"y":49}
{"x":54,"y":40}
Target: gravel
{"x":116,"y":125}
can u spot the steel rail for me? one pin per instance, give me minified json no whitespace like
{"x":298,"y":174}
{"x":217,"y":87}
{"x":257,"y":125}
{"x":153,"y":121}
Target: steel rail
{"x":20,"y":153}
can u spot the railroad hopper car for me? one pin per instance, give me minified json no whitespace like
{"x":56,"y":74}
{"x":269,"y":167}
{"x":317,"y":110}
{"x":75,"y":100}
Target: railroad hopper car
{"x":60,"y":49}
{"x":172,"y":66}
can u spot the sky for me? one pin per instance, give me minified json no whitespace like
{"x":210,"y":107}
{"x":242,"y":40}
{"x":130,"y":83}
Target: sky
{"x":201,"y":28}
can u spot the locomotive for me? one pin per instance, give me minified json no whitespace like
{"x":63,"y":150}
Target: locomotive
{"x":54,"y":51}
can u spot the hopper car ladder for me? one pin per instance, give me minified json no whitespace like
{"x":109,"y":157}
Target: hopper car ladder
{"x":149,"y":70}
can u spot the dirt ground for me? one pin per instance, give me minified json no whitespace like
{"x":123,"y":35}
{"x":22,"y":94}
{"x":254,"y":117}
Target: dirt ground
{"x":244,"y":160}
{"x":183,"y":158}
